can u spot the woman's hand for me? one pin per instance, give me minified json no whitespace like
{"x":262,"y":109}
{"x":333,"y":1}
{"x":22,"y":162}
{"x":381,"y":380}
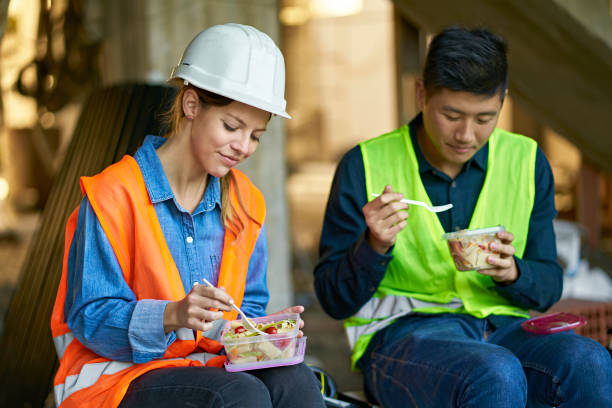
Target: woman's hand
{"x":193,"y":311}
{"x":505,"y":271}
{"x":293,"y":309}
{"x":385,"y":217}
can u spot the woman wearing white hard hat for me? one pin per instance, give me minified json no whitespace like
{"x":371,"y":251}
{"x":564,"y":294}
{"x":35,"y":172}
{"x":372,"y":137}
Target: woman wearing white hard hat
{"x":133,"y":324}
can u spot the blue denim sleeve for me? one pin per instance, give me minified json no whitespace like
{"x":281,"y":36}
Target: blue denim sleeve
{"x":540,"y":281}
{"x":256,"y":294}
{"x":349,"y":270}
{"x":101,"y":309}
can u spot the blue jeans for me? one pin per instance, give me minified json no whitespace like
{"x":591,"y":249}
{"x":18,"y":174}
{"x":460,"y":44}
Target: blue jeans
{"x":174,"y":387}
{"x":460,"y":361}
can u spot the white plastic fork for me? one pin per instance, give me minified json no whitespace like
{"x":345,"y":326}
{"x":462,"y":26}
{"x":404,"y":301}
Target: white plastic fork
{"x":435,"y":208}
{"x":247,"y":321}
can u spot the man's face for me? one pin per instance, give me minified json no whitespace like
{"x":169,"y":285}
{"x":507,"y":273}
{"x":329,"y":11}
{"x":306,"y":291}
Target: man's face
{"x":456,"y":125}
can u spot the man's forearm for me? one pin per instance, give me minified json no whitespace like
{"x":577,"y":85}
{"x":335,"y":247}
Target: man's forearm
{"x":345,"y":284}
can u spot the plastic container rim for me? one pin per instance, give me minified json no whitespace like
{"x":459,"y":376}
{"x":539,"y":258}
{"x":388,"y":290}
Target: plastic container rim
{"x":470,"y":232}
{"x":269,"y":337}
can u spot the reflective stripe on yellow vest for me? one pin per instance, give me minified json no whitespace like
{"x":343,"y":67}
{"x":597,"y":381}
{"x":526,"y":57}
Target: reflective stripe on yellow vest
{"x":121,"y":202}
{"x":422,"y":276}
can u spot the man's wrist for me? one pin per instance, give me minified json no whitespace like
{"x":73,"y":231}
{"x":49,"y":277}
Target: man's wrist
{"x":510,"y":277}
{"x":375,"y":244}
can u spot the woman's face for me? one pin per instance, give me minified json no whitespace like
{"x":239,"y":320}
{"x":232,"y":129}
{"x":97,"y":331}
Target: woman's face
{"x":224,"y":136}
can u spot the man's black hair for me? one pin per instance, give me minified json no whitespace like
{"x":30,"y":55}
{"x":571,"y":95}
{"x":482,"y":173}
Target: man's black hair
{"x":467,"y":60}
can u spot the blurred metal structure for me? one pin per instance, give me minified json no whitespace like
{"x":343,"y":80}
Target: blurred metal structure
{"x":113,"y":123}
{"x":66,"y":60}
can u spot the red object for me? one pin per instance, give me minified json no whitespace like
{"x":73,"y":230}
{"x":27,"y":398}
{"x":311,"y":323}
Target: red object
{"x":553,"y":323}
{"x":598,"y":314}
{"x":239,"y":329}
{"x":271,"y":330}
{"x":282,"y":344}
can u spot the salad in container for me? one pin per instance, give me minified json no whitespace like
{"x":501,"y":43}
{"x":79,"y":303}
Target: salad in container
{"x":470,"y":247}
{"x":248,"y":350}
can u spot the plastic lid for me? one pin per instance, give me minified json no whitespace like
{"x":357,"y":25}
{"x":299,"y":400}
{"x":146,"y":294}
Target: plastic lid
{"x":470,"y":232}
{"x":553,"y":323}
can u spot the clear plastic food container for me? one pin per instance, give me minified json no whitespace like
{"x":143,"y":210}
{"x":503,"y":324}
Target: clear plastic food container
{"x":248,"y":350}
{"x":470,"y":248}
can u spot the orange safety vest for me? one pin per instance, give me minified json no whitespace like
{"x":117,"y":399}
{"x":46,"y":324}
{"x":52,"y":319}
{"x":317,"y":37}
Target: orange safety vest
{"x":121,"y":202}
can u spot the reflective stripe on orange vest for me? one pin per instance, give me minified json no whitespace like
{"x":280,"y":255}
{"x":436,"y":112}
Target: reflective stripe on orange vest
{"x":84,"y":379}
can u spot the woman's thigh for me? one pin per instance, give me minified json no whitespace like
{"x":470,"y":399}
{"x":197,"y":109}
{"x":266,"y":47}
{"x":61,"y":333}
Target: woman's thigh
{"x":174,"y":387}
{"x":291,"y":386}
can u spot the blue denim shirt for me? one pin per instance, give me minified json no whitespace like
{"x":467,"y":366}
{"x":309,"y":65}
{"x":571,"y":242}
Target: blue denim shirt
{"x":349,"y":270}
{"x":101,"y":309}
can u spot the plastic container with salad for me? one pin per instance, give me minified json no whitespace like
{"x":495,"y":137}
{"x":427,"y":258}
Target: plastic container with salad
{"x":248,"y":350}
{"x":470,"y":248}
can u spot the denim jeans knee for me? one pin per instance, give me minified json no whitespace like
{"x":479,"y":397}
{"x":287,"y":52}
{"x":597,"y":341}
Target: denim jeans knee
{"x":445,"y":373}
{"x":498,"y":374}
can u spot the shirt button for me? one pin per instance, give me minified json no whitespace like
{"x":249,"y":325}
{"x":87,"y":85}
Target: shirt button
{"x":453,"y":184}
{"x":189,"y":240}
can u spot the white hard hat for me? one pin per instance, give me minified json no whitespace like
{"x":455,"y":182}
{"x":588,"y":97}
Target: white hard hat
{"x":238,"y":62}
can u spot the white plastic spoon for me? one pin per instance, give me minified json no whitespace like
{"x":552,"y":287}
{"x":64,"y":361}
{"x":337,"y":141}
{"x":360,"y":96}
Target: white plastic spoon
{"x":247,"y":322}
{"x":435,"y":208}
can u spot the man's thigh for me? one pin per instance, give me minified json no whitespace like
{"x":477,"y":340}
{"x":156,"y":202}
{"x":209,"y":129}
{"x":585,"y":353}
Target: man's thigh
{"x":561,"y":368}
{"x":441,"y":361}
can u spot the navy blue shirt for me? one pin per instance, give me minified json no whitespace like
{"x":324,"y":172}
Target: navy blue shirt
{"x":349,"y":270}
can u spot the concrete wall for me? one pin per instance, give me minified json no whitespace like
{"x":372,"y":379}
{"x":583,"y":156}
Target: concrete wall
{"x":594,"y":15}
{"x":144,"y":39}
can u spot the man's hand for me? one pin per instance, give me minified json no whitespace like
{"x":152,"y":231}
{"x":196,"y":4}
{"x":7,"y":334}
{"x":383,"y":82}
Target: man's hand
{"x":385,"y":217}
{"x":505,"y":271}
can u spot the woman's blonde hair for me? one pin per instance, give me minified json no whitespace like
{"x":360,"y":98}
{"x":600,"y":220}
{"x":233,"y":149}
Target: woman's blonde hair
{"x":229,"y":215}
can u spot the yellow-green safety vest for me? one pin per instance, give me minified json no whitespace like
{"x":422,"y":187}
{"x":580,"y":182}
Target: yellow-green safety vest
{"x":422,"y":276}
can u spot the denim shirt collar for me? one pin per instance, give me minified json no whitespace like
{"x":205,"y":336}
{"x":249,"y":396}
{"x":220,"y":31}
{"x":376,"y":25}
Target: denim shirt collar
{"x":479,"y":160}
{"x":157,"y":183}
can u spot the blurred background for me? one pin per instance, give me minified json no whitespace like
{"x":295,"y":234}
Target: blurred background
{"x":351,"y":67}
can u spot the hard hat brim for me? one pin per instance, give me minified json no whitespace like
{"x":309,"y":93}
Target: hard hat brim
{"x":178,"y":82}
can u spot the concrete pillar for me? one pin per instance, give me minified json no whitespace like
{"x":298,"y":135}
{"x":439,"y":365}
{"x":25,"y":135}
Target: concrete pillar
{"x":144,"y":39}
{"x":408,"y":56}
